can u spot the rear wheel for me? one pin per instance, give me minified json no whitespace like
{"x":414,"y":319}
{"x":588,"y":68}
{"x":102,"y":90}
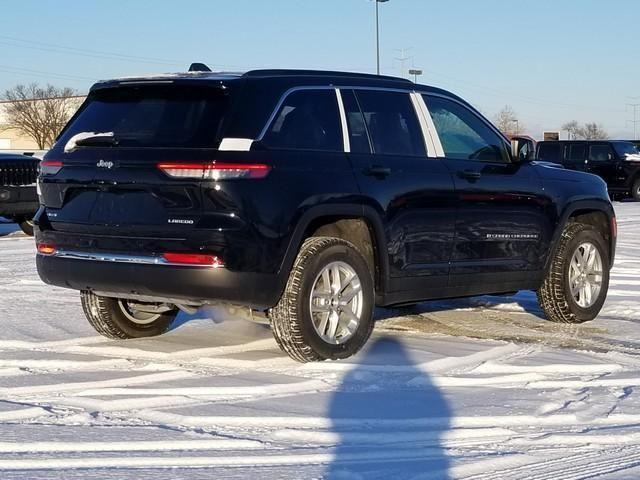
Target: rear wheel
{"x":576,"y":284}
{"x":326,"y":311}
{"x":121,"y":319}
{"x":26,"y":225}
{"x":635,"y":191}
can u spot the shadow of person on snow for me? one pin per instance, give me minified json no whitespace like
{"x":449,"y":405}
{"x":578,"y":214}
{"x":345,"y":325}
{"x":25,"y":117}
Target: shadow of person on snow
{"x":389,"y":418}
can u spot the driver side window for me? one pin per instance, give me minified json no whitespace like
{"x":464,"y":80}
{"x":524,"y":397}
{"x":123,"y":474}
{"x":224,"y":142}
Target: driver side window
{"x":464,"y":136}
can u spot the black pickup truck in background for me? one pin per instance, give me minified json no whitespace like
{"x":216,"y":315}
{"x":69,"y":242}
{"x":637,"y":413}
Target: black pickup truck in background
{"x":18,"y":196}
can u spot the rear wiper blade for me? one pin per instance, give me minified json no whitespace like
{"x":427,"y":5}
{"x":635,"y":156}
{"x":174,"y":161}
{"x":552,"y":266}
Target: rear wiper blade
{"x":91,"y":139}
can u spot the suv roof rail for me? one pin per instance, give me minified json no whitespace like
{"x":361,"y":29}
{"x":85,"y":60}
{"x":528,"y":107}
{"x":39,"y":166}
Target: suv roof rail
{"x":199,"y":67}
{"x":318,"y":73}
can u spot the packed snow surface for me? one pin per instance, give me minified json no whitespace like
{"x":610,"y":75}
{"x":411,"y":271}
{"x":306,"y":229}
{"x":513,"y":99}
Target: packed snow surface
{"x":482,"y":388}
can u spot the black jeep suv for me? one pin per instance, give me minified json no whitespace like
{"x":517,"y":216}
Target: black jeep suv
{"x":18,"y":197}
{"x":309,"y":197}
{"x":617,"y":162}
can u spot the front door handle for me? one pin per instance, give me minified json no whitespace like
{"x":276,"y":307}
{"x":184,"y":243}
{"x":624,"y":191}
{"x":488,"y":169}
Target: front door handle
{"x":470,"y":174}
{"x":377,"y":171}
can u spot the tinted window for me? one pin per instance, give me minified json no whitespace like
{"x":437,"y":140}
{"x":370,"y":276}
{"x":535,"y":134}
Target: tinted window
{"x":550,"y":152}
{"x":392,"y":123}
{"x":626,"y":148}
{"x":575,"y":152}
{"x":463,"y":134}
{"x":358,"y":137}
{"x":600,"y":153}
{"x":154,"y":116}
{"x":307,"y":120}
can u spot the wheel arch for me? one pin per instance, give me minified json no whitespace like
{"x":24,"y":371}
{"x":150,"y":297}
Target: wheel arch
{"x":353,"y":223}
{"x":596,"y":212}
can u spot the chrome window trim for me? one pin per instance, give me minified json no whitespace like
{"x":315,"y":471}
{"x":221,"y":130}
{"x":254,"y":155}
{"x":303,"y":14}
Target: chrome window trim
{"x":119,"y":258}
{"x":291,"y":90}
{"x":431,"y":148}
{"x":343,"y":122}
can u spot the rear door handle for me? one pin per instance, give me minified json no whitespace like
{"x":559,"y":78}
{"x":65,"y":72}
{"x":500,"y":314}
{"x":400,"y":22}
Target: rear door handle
{"x":470,"y":174}
{"x":377,"y":171}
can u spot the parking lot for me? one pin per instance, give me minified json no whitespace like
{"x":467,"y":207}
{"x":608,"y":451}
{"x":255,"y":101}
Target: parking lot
{"x":476,"y":388}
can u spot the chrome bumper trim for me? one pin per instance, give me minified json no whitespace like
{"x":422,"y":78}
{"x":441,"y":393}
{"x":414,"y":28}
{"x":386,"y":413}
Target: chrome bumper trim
{"x":119,"y":258}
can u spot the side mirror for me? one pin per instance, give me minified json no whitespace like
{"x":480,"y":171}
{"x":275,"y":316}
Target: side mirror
{"x":521,"y":150}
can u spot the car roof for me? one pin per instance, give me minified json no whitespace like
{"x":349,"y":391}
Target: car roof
{"x":289,"y":76}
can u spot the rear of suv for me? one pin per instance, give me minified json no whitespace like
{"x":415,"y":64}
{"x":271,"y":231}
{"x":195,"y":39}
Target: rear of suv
{"x":617,"y":162}
{"x":308,"y":197}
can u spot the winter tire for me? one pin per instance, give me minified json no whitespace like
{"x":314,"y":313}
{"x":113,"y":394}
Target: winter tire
{"x":575,"y":287}
{"x":326,"y":310}
{"x":119,"y":319}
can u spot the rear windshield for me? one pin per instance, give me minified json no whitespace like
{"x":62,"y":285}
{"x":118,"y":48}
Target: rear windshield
{"x":154,"y":116}
{"x":549,"y":152}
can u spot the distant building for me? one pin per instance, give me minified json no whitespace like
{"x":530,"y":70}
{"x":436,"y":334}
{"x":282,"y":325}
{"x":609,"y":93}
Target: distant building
{"x":13,"y":139}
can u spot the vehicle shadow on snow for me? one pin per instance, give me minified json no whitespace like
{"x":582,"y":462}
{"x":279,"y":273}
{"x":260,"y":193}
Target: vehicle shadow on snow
{"x":390,"y":420}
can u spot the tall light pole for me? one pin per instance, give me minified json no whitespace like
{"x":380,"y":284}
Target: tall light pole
{"x":378,"y":36}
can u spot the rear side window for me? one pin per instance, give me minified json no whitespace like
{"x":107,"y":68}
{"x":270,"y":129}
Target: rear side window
{"x":464,"y":136}
{"x":358,"y":137}
{"x":392,"y":123}
{"x":575,"y":152}
{"x":307,"y":120}
{"x":550,"y":152}
{"x":600,"y":153}
{"x":154,"y":116}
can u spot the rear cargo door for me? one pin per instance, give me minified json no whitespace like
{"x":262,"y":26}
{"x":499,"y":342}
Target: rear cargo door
{"x":110,"y":154}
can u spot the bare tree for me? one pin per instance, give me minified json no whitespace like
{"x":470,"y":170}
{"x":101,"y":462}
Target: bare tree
{"x":39,"y":112}
{"x":592,"y":131}
{"x":507,"y":121}
{"x":571,"y":128}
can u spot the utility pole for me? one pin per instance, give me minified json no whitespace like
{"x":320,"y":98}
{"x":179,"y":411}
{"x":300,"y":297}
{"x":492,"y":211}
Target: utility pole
{"x":635,"y":121}
{"x":378,"y":36}
{"x":403,"y":58}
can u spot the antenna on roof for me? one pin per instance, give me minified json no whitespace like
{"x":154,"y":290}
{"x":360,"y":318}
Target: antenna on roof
{"x":199,"y":67}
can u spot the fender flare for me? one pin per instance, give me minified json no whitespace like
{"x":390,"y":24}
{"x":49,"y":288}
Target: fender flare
{"x":369,"y":214}
{"x":593,"y":204}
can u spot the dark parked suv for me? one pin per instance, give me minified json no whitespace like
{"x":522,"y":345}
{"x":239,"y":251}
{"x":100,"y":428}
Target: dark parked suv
{"x":18,"y":197}
{"x":617,"y":162}
{"x":310,"y":197}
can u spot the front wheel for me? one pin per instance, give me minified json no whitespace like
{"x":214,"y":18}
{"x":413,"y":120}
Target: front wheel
{"x":326,"y":310}
{"x":576,"y":284}
{"x":121,"y":319}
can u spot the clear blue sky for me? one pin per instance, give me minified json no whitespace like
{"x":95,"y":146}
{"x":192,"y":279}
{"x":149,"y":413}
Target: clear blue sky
{"x":551,"y":60}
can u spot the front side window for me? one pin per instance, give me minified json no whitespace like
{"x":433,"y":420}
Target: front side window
{"x":600,"y":153}
{"x":392,"y":123}
{"x":463,"y":135}
{"x":307,"y":120}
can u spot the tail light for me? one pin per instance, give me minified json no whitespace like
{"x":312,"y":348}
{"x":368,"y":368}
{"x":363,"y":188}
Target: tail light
{"x":50,"y":167}
{"x":215,"y":170}
{"x":46,"y":249}
{"x":614,"y":227}
{"x":193,"y":259}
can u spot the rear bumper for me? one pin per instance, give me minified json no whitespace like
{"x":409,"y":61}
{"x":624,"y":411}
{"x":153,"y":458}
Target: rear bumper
{"x":18,"y":200}
{"x":187,"y":283}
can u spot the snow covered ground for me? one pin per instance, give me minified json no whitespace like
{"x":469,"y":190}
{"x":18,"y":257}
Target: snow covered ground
{"x":479,"y":389}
